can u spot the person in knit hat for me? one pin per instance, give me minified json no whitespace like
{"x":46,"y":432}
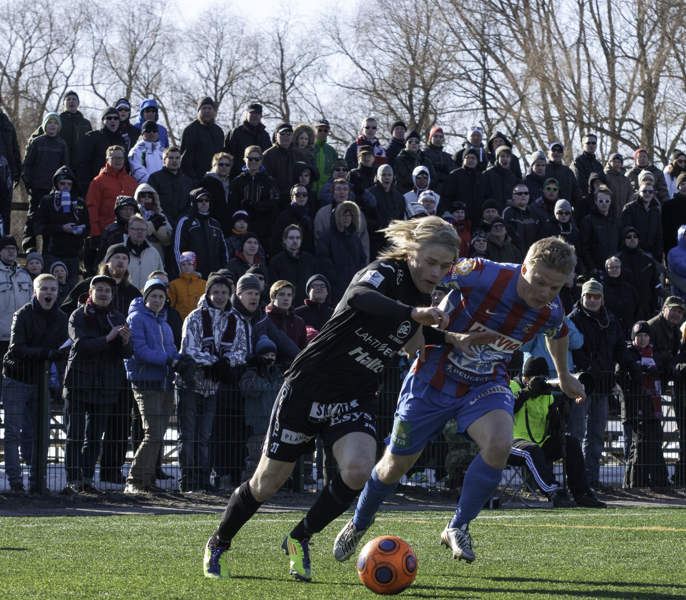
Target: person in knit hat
{"x":642,"y":163}
{"x":473,"y":142}
{"x":129,"y":131}
{"x":317,"y":309}
{"x":185,"y":291}
{"x":247,"y":256}
{"x":34,"y":263}
{"x":44,"y":155}
{"x":240,"y":224}
{"x":557,"y":169}
{"x":497,"y":140}
{"x":60,"y":272}
{"x":408,"y":159}
{"x":563,"y":224}
{"x":642,"y":412}
{"x":397,"y":143}
{"x":200,"y":141}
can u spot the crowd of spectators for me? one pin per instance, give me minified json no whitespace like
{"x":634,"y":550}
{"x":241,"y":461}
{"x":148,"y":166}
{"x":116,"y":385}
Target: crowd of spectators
{"x":209,"y":266}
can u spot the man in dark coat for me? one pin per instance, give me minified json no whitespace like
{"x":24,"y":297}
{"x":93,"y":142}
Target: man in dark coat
{"x":473,"y":142}
{"x":442,"y":161}
{"x":595,"y":180}
{"x":603,"y":348}
{"x":172,"y":186}
{"x":555,"y":168}
{"x":501,"y":180}
{"x":38,"y":331}
{"x":600,"y":233}
{"x":397,"y":143}
{"x":620,"y":297}
{"x":390,"y":205}
{"x":200,"y":141}
{"x":293,"y":264}
{"x":250,"y":133}
{"x":280,"y":159}
{"x":128,"y":130}
{"x":92,"y":153}
{"x":466,"y":184}
{"x":9,"y":148}
{"x":674,"y":214}
{"x":317,"y":308}
{"x":586,"y":163}
{"x":94,"y":381}
{"x":644,"y":214}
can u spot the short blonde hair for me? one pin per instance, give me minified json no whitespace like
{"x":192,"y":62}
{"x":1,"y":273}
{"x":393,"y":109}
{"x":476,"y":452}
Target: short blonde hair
{"x":218,"y":156}
{"x":552,"y":252}
{"x":112,"y":149}
{"x":250,"y":149}
{"x":406,"y":237}
{"x":278,"y":286}
{"x":41,"y":278}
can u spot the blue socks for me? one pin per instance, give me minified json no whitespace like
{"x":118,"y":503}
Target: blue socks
{"x":480,"y":481}
{"x":371,"y":498}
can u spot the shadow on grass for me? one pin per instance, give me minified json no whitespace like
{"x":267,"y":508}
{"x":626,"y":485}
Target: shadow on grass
{"x":631,"y":584}
{"x":14,"y":549}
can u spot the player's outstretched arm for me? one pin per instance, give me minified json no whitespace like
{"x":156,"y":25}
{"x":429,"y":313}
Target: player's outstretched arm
{"x":463,"y":341}
{"x":430,"y":316}
{"x":569,"y":385}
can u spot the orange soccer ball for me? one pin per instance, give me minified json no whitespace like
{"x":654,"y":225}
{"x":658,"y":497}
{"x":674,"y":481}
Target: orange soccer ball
{"x":387,"y":565}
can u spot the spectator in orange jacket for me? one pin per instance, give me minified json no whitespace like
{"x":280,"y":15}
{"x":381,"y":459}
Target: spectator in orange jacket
{"x":186,"y":291}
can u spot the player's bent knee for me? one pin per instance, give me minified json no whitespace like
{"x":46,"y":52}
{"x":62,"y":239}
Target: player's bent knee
{"x":355,"y":476}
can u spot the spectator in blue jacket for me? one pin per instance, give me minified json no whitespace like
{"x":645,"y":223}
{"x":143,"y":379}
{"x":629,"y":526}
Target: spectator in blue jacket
{"x":151,"y":371}
{"x":676,"y":260}
{"x":151,"y":112}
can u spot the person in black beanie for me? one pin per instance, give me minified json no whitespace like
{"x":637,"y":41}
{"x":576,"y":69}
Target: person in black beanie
{"x":317,"y":309}
{"x":298,"y":213}
{"x":408,"y":159}
{"x":397,"y":143}
{"x":247,"y":256}
{"x":128,"y":130}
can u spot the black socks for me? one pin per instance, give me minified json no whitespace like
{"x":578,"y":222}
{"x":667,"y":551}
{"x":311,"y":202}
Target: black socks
{"x":241,"y":507}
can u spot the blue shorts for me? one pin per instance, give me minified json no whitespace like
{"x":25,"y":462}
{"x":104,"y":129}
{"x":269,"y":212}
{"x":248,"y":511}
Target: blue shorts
{"x":423,"y":411}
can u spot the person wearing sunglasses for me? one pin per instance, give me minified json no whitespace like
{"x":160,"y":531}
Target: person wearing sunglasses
{"x":600,"y":233}
{"x":641,"y":164}
{"x":249,"y":133}
{"x":408,"y":160}
{"x":146,"y":156}
{"x":563,"y":225}
{"x":518,"y":216}
{"x":92,"y":154}
{"x":676,"y":166}
{"x":674,"y":214}
{"x":644,"y":214}
{"x":474,"y":142}
{"x":586,"y":163}
{"x":280,"y":159}
{"x":639,"y":270}
{"x":618,"y":182}
{"x":557,"y":169}
{"x":588,"y":201}
{"x":255,"y":192}
{"x":200,"y":141}
{"x":367,"y":137}
{"x":544,"y":207}
{"x":217,"y":182}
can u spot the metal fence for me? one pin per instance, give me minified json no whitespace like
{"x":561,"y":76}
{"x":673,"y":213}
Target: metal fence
{"x":95,"y":444}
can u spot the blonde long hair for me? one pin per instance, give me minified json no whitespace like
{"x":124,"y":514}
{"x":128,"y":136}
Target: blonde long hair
{"x":405,"y":237}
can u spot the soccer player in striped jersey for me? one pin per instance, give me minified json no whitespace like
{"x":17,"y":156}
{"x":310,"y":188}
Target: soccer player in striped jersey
{"x":513,"y":303}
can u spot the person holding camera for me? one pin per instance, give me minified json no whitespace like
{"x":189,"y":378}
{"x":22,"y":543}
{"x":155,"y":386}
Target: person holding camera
{"x":642,"y":411}
{"x":540,"y":438}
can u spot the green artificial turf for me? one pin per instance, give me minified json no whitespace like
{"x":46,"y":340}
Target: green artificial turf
{"x":607,"y":554}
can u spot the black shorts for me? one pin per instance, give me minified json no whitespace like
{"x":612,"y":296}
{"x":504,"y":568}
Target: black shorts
{"x":297,"y":418}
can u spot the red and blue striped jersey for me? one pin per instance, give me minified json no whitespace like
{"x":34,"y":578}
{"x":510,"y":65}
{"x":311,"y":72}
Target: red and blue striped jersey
{"x":484,"y":297}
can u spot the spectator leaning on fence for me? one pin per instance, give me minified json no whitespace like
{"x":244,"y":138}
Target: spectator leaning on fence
{"x":39,"y":329}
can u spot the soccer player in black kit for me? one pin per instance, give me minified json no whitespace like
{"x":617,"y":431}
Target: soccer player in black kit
{"x":330,"y":389}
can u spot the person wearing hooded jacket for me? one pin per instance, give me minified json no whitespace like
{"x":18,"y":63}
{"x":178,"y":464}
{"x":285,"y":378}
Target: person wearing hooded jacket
{"x":467,"y":184}
{"x":149,"y":207}
{"x":297,"y":213}
{"x":339,"y":250}
{"x":151,"y":371}
{"x":674,"y":214}
{"x":563,"y":225}
{"x":63,"y":221}
{"x":150,"y":111}
{"x":421,"y":182}
{"x":494,"y":142}
{"x":595,"y":180}
{"x":536,"y":176}
{"x":202,"y":234}
{"x":615,"y":176}
{"x":124,"y":208}
{"x":306,"y":175}
{"x":93,"y":149}
{"x":442,"y":162}
{"x":145,"y":157}
{"x":200,"y":141}
{"x":603,"y":348}
{"x":676,"y":261}
{"x":408,"y":159}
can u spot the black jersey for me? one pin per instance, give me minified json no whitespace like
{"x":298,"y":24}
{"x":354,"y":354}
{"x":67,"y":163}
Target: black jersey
{"x":371,"y":323}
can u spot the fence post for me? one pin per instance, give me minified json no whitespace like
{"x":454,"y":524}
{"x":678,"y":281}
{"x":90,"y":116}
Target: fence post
{"x":42,"y":435}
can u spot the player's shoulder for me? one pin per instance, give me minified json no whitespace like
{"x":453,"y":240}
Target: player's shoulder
{"x":472,"y":268}
{"x":388,"y":271}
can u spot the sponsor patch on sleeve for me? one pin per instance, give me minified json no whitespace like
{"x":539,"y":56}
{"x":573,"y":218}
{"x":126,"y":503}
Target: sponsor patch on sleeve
{"x":373,"y":277}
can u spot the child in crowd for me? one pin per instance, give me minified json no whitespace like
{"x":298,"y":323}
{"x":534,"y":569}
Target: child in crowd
{"x":34,"y":263}
{"x":185,"y":292}
{"x":60,"y":272}
{"x":259,"y":386}
{"x":240,"y":221}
